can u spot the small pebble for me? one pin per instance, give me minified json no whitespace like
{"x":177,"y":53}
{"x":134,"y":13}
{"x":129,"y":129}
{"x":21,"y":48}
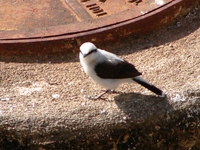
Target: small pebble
{"x":103,"y":111}
{"x":55,"y":96}
{"x":82,"y":90}
{"x":5,"y":99}
{"x":124,"y":117}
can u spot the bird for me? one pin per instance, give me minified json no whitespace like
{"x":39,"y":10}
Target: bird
{"x":109,"y":71}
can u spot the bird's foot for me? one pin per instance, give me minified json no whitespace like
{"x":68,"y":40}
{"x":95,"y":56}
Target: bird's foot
{"x":99,"y":96}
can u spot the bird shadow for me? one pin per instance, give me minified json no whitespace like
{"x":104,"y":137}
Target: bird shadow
{"x":139,"y":106}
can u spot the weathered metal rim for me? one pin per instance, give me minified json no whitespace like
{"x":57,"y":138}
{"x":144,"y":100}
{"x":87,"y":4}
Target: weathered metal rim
{"x":63,"y":31}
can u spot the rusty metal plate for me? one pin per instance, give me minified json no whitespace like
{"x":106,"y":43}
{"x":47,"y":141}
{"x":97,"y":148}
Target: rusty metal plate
{"x":43,"y":20}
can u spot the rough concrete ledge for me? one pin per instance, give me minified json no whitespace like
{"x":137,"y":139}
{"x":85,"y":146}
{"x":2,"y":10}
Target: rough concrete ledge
{"x":143,"y":122}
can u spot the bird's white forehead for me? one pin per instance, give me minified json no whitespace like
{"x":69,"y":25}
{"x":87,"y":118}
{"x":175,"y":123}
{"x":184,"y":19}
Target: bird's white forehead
{"x":87,"y":47}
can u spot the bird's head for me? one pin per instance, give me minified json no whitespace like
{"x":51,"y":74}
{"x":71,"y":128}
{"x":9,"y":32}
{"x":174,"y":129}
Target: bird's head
{"x":88,"y":51}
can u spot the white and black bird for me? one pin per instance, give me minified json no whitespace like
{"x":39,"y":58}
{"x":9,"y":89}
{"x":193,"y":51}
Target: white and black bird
{"x":109,"y":71}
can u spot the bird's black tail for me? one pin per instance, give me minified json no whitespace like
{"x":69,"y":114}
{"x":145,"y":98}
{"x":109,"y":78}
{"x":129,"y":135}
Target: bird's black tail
{"x":149,"y":86}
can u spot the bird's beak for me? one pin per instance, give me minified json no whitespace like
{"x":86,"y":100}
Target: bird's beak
{"x":80,"y":52}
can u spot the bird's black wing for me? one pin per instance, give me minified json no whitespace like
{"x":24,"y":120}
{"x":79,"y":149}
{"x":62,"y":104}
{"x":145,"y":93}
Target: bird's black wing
{"x":116,"y":69}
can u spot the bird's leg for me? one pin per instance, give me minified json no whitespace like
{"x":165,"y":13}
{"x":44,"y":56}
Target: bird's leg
{"x":99,"y":96}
